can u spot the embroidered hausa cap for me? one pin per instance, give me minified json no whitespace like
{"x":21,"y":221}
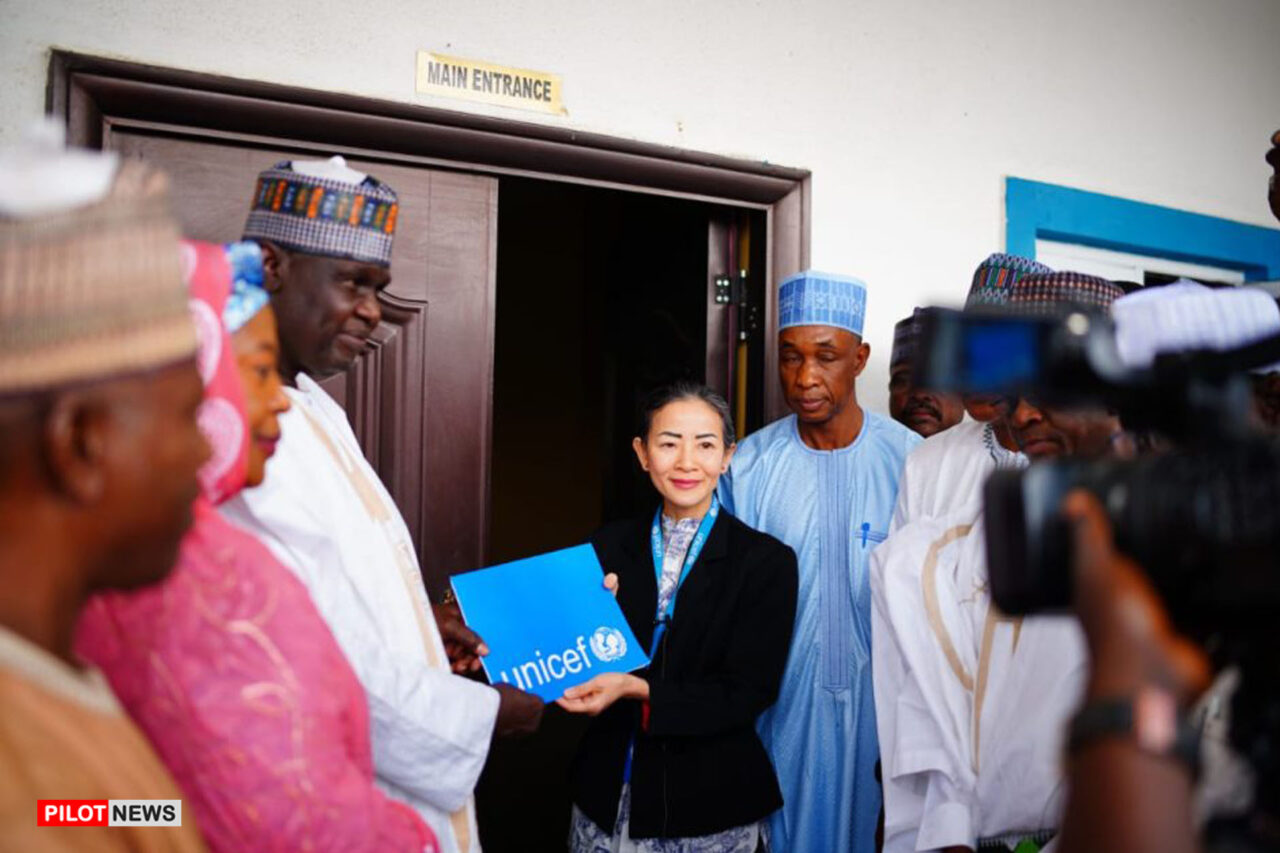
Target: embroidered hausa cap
{"x":906,"y":337}
{"x":1054,"y":293}
{"x":814,"y":298}
{"x":324,"y":207}
{"x":995,"y":276}
{"x":91,"y":285}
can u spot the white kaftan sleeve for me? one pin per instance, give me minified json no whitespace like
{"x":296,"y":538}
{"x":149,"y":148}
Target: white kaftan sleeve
{"x":431,"y":729}
{"x":923,"y":709}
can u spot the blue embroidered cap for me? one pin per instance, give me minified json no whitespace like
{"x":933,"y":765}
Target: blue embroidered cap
{"x":814,"y":298}
{"x":248,"y":296}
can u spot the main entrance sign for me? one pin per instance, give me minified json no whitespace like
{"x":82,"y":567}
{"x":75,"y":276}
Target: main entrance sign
{"x":487,"y":83}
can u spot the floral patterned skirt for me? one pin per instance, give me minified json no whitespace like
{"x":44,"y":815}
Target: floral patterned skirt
{"x":586,"y":837}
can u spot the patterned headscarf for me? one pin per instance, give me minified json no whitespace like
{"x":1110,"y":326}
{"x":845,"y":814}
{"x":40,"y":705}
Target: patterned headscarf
{"x":225,"y":286}
{"x":324,"y":208}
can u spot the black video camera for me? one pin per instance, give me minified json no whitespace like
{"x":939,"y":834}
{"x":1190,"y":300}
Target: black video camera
{"x":1203,"y":519}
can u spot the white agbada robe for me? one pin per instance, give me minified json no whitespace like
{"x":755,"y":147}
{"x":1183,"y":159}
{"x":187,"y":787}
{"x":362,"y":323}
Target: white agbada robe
{"x":947,"y":471}
{"x":325,"y":514}
{"x":971,"y":705}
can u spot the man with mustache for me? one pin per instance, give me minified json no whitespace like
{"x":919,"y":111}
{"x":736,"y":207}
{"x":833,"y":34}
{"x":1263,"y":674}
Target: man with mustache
{"x":823,"y":480}
{"x":326,"y":234}
{"x":918,"y":409}
{"x":970,"y":704}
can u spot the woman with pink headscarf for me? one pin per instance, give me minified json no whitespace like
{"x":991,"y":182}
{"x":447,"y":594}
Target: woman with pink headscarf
{"x":227,"y":666}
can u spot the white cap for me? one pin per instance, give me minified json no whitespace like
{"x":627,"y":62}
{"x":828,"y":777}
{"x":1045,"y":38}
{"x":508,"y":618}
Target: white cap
{"x":41,"y":175}
{"x":333,"y":169}
{"x":1186,"y":315}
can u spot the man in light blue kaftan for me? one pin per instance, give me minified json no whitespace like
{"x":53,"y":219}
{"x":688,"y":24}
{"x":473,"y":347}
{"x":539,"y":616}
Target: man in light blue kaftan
{"x":824,"y":481}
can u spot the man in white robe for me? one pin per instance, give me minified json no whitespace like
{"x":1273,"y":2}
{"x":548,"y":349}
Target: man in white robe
{"x":947,"y":471}
{"x":970,"y":704}
{"x":326,"y":234}
{"x":971,"y":713}
{"x":823,"y":480}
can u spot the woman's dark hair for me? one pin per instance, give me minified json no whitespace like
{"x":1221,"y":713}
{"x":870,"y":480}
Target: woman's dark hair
{"x":686,"y":390}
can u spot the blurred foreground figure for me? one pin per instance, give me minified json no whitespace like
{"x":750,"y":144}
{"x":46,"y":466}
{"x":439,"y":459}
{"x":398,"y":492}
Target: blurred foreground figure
{"x":98,"y":457}
{"x":1131,"y":788}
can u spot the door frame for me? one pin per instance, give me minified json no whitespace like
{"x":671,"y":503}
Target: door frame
{"x":91,"y":92}
{"x":95,"y":96}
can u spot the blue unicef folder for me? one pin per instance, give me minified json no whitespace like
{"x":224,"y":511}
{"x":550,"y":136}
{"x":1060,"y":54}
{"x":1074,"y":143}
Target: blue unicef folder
{"x":548,"y":621}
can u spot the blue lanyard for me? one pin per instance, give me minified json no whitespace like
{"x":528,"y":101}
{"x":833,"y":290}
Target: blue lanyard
{"x":691,"y":556}
{"x":663,"y":617}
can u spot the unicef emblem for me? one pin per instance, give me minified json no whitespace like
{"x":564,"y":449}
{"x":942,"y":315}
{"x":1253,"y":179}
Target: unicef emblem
{"x":608,"y":644}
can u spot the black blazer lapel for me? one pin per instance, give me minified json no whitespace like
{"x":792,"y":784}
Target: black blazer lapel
{"x":702,"y":582}
{"x":638,"y":586}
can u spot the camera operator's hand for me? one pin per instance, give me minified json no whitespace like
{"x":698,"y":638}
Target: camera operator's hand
{"x":519,"y":713}
{"x":1124,"y":799}
{"x":1131,"y":642}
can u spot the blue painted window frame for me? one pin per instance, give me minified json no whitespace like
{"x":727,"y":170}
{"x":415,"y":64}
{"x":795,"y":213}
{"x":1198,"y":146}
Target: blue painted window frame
{"x":1035,"y":210}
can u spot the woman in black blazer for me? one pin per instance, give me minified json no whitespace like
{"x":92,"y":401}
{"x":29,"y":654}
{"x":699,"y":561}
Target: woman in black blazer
{"x":672,"y":760}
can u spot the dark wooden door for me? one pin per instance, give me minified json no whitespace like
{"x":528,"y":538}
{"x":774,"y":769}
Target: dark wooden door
{"x":420,"y":398}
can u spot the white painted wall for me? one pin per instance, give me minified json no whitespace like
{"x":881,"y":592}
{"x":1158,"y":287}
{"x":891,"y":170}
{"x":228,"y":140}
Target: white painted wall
{"x":909,"y":113}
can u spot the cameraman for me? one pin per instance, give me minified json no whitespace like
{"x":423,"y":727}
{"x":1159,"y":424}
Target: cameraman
{"x":1132,"y":756}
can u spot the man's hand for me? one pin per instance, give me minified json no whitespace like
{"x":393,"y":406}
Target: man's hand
{"x":611,"y":583}
{"x":519,"y":713}
{"x":463,"y":646}
{"x":1122,"y":799}
{"x":602,"y":691}
{"x":1131,"y":642}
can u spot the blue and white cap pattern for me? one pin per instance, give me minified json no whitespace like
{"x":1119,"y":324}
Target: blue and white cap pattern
{"x":814,"y":298}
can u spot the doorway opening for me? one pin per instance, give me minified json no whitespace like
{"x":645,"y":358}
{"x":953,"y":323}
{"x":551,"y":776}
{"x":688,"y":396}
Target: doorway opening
{"x":602,"y":295}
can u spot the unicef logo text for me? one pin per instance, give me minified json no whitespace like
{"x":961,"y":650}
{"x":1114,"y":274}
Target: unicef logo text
{"x":608,"y":644}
